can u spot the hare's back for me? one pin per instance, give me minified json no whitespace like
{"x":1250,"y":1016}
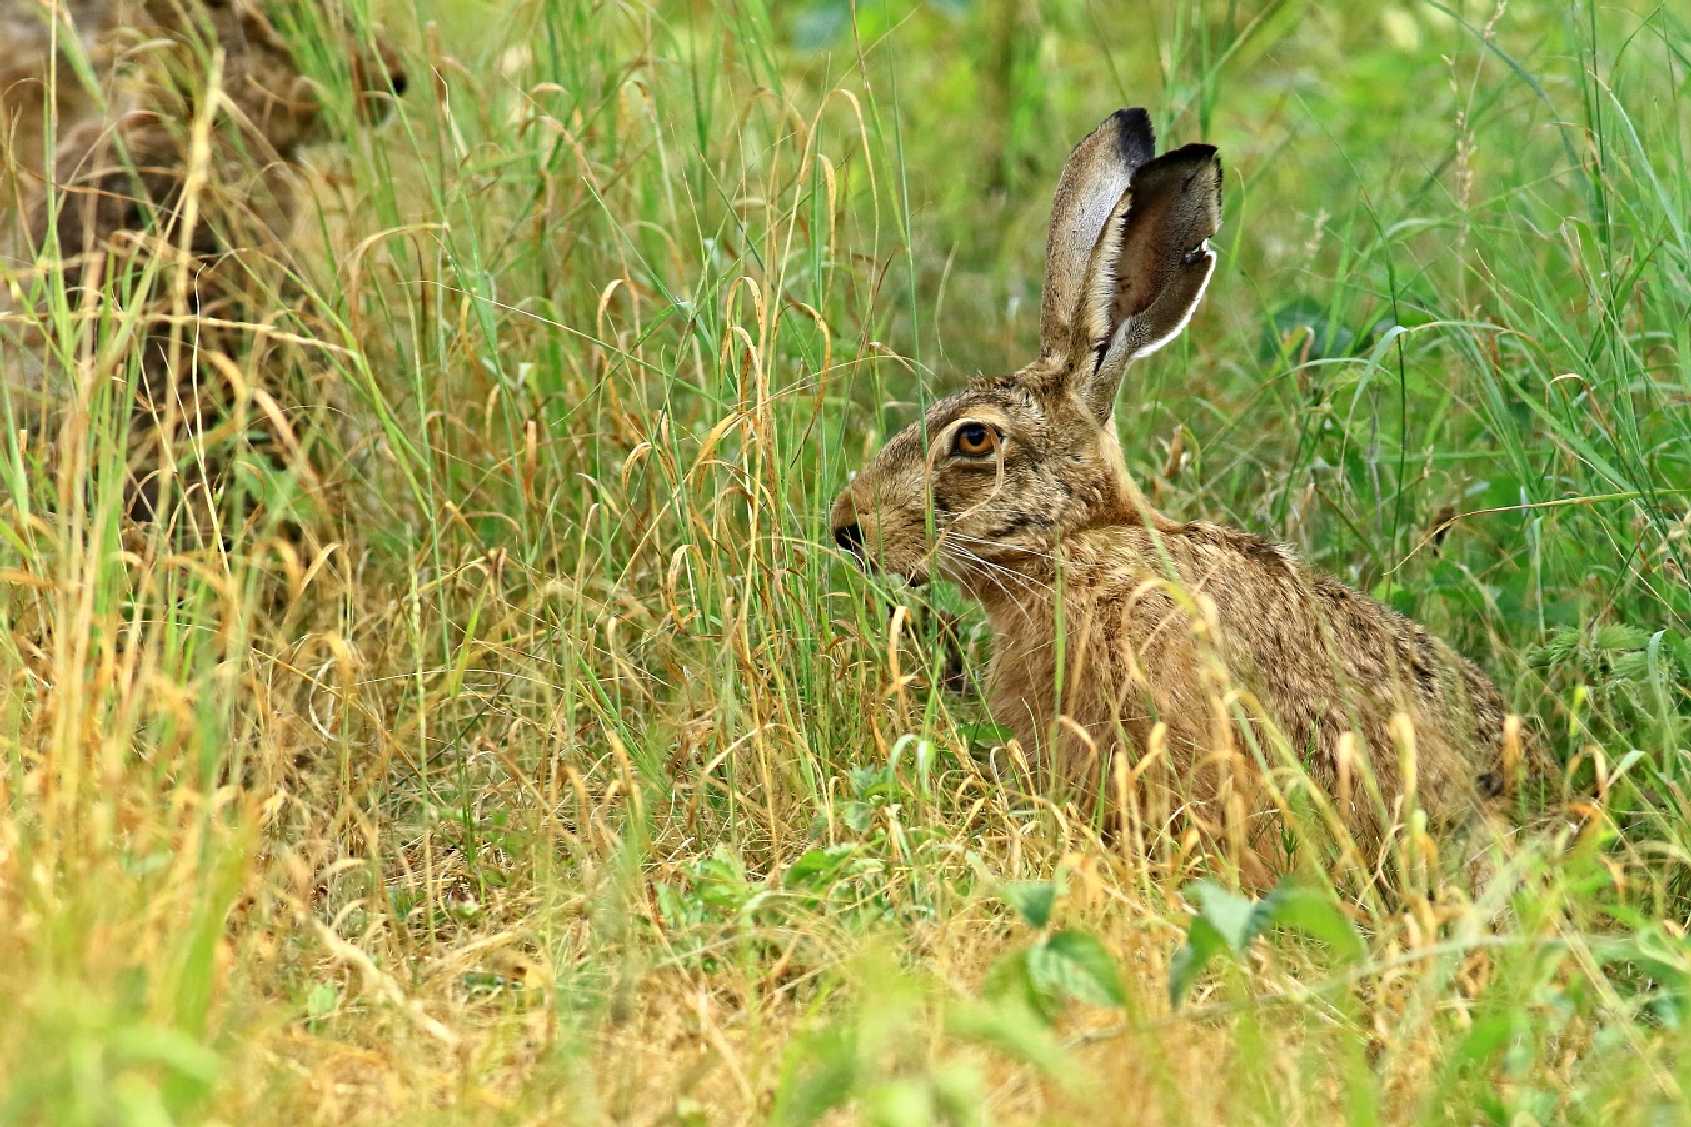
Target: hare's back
{"x":1324,"y":659}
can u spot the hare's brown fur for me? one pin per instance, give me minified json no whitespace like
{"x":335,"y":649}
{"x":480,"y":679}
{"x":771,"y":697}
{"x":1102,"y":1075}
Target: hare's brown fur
{"x":1115,"y":627}
{"x":128,"y":192}
{"x":38,"y":81}
{"x":125,"y":172}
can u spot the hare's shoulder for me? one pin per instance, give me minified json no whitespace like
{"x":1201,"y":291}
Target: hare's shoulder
{"x":1248,"y":549}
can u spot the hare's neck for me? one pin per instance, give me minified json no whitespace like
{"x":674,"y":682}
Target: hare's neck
{"x":1127,"y":504}
{"x":1022,"y":678}
{"x":1014,"y":600}
{"x":1019,"y":591}
{"x":1028,"y":594}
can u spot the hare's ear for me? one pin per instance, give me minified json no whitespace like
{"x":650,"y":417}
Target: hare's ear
{"x":1093,"y":179}
{"x":1149,"y":269}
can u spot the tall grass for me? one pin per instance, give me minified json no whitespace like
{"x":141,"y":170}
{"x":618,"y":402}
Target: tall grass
{"x":560,"y":769}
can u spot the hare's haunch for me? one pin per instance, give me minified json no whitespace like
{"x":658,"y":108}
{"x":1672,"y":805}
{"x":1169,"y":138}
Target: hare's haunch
{"x":1115,"y":628}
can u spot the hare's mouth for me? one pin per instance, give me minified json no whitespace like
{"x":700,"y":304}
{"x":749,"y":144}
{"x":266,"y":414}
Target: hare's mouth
{"x":851,"y":540}
{"x":913,"y":578}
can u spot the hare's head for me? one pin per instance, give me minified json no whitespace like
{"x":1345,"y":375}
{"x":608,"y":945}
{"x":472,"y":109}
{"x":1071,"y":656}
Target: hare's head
{"x":262,"y":75}
{"x":998,"y":473}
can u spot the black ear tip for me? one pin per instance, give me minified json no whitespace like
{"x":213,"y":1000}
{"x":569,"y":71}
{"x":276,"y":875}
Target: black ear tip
{"x":1186,"y":161}
{"x":1134,"y":118}
{"x":1134,"y":134}
{"x":1192,"y":153}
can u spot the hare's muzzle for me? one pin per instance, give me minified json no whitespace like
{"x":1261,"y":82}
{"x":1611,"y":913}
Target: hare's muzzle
{"x":850,"y":538}
{"x":848,"y":528}
{"x":381,"y":79}
{"x":859,"y":524}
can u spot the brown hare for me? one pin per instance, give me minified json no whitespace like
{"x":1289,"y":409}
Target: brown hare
{"x":39,"y":75}
{"x":1116,"y":628}
{"x":130,"y":197}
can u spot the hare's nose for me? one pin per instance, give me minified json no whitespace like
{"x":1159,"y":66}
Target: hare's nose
{"x":850,"y":538}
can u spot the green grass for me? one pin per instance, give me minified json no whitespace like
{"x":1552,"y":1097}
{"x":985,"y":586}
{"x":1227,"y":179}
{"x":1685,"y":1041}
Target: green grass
{"x":564,"y":772}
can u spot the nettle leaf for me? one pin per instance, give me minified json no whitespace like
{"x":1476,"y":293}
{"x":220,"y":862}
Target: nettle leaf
{"x":1228,"y":922}
{"x":322,"y":1000}
{"x":675,"y":908}
{"x":1073,"y":964}
{"x":1012,"y":1029}
{"x":1067,"y":966}
{"x":1032,"y":900}
{"x":858,"y":817}
{"x":1313,"y":913}
{"x":1234,"y":917}
{"x":986,"y":735}
{"x":818,"y":868}
{"x":959,"y":1094}
{"x":1202,"y":943}
{"x":821,"y":1077}
{"x":904,"y":1101}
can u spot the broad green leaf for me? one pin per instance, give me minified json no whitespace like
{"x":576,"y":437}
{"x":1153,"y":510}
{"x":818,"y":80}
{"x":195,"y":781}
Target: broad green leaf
{"x":983,"y":734}
{"x":1488,"y":1035}
{"x":818,"y":868}
{"x":959,"y":1094}
{"x":1032,"y":899}
{"x":1012,"y":980}
{"x":1231,"y":915}
{"x":1012,"y":1029}
{"x":1313,"y":913}
{"x":819,"y":1078}
{"x":322,"y":1000}
{"x":1073,"y":964}
{"x":1227,"y":921}
{"x":901,"y":1102}
{"x":1202,"y":942}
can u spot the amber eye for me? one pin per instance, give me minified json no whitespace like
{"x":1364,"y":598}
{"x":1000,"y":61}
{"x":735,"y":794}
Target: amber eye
{"x":976,"y":440}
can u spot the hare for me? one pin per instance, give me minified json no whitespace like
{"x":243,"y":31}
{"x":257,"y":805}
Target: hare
{"x":1115,"y":627}
{"x":131,"y":195}
{"x":38,"y":79}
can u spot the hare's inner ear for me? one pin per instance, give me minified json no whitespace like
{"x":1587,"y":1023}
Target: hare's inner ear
{"x":1093,"y":179}
{"x":1149,"y":269}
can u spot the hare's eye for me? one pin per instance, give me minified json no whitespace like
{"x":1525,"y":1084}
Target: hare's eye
{"x":976,"y":440}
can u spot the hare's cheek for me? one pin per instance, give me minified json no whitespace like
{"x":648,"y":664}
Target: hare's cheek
{"x":304,"y":109}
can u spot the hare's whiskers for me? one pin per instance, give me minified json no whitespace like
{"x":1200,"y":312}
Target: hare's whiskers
{"x":1031,"y":553}
{"x":965,"y":569}
{"x":1027,"y":581}
{"x":991,"y":572}
{"x":986,"y":566}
